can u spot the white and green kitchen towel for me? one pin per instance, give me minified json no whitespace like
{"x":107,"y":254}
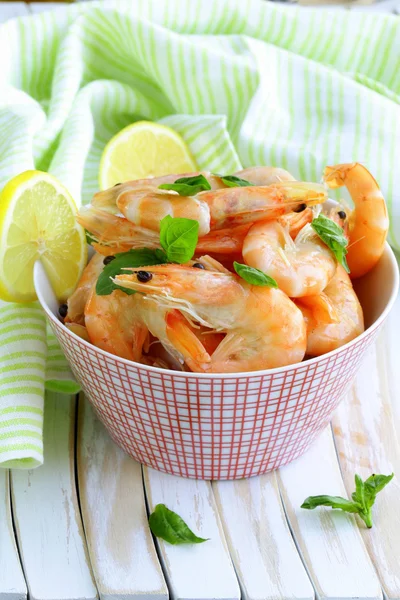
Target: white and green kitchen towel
{"x":245,"y":82}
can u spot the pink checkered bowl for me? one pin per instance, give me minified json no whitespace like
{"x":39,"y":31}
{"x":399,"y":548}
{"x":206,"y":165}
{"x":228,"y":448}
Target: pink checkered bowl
{"x":226,"y":426}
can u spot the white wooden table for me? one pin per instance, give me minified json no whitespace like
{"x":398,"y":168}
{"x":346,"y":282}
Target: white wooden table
{"x":77,"y":528}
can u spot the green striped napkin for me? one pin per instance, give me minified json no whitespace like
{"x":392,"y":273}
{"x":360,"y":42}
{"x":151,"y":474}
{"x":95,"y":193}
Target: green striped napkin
{"x":245,"y":82}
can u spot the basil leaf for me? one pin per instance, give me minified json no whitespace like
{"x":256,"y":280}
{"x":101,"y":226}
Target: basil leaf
{"x":233,"y":181}
{"x":254,"y":276}
{"x":375,"y":484}
{"x":143,"y":257}
{"x":179,"y":237}
{"x":333,"y":501}
{"x":188,"y":186}
{"x":359,"y":495}
{"x":332,"y":235}
{"x":169,"y":526}
{"x":363,"y":498}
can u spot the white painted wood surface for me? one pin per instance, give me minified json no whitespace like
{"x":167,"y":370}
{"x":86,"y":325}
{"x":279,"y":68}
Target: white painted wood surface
{"x":260,"y":543}
{"x":201,"y":571}
{"x":12,"y":582}
{"x":367,"y":443}
{"x":46,"y":513}
{"x":330,"y":543}
{"x":121,"y":548}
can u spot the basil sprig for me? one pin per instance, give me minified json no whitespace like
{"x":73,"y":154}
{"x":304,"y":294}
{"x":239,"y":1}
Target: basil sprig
{"x":332,"y":235}
{"x":233,"y":181}
{"x":362,"y":501}
{"x":187,"y":186}
{"x":179,"y":238}
{"x":254,"y":276}
{"x":144,"y":257}
{"x":169,"y":526}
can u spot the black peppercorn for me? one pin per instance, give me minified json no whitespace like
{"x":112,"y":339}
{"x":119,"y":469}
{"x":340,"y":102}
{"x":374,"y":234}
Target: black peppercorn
{"x":300,"y":208}
{"x":198,"y":266}
{"x":342,"y":214}
{"x":63,"y":311}
{"x":108,"y":259}
{"x":144,"y":276}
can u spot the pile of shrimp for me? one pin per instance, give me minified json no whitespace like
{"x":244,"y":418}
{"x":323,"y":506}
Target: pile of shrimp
{"x":201,"y":316}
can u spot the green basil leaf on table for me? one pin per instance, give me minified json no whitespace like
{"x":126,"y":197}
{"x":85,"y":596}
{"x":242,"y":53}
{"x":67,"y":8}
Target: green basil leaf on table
{"x":333,"y":501}
{"x":254,"y":276}
{"x":178,"y":238}
{"x":188,"y":186}
{"x":332,"y":235}
{"x":233,"y":181}
{"x":143,"y":257}
{"x":169,"y":526}
{"x":363,"y":498}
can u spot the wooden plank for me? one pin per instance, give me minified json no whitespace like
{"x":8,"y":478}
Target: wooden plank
{"x":262,"y":549}
{"x":9,"y":10}
{"x":201,"y":571}
{"x":120,"y":543}
{"x":367,"y":443}
{"x":329,"y":542}
{"x":46,"y":513}
{"x":12,"y":581}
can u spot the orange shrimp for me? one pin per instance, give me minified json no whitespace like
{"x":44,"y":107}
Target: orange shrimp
{"x":334,"y":317}
{"x":263,"y":328}
{"x":77,"y":301}
{"x":368,"y":223}
{"x":301,"y":267}
{"x":264,"y":175}
{"x":113,"y":324}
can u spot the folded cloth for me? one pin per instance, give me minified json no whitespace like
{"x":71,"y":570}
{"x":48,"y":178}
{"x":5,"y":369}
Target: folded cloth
{"x":244,"y":83}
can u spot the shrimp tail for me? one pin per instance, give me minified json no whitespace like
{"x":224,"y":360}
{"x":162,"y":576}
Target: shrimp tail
{"x":185,"y":341}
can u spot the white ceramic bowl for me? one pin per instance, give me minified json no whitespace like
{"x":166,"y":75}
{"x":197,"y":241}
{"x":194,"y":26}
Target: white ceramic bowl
{"x":221,"y":426}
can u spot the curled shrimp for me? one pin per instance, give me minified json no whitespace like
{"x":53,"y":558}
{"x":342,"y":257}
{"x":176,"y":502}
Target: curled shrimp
{"x":146,"y":206}
{"x":263,"y":327}
{"x":117,"y":233}
{"x":301,"y":267}
{"x":77,"y":301}
{"x":334,"y":317}
{"x":113,"y":324}
{"x":107,"y":199}
{"x":368,"y":223}
{"x":265,"y":175}
{"x":218,"y":209}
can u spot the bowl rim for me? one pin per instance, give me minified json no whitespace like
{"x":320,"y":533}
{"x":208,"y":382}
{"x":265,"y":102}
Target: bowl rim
{"x":243,"y":374}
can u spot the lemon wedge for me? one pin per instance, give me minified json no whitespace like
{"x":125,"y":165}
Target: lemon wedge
{"x":37,"y":221}
{"x":143,"y":150}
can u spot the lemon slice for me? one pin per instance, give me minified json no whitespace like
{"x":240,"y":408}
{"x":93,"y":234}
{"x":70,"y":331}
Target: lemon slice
{"x":37,"y":220}
{"x":142,"y":150}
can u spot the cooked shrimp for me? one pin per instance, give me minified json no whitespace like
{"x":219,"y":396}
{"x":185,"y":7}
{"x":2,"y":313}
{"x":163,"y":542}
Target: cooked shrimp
{"x":301,"y":267}
{"x":368,"y":222}
{"x":77,"y":301}
{"x":295,"y":221}
{"x":263,"y":327}
{"x":113,"y":324}
{"x":264,"y":175}
{"x":107,"y":199}
{"x":116,"y":232}
{"x":333,"y":318}
{"x":218,"y":209}
{"x":79,"y":330}
{"x":241,"y":205}
{"x":146,"y":206}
